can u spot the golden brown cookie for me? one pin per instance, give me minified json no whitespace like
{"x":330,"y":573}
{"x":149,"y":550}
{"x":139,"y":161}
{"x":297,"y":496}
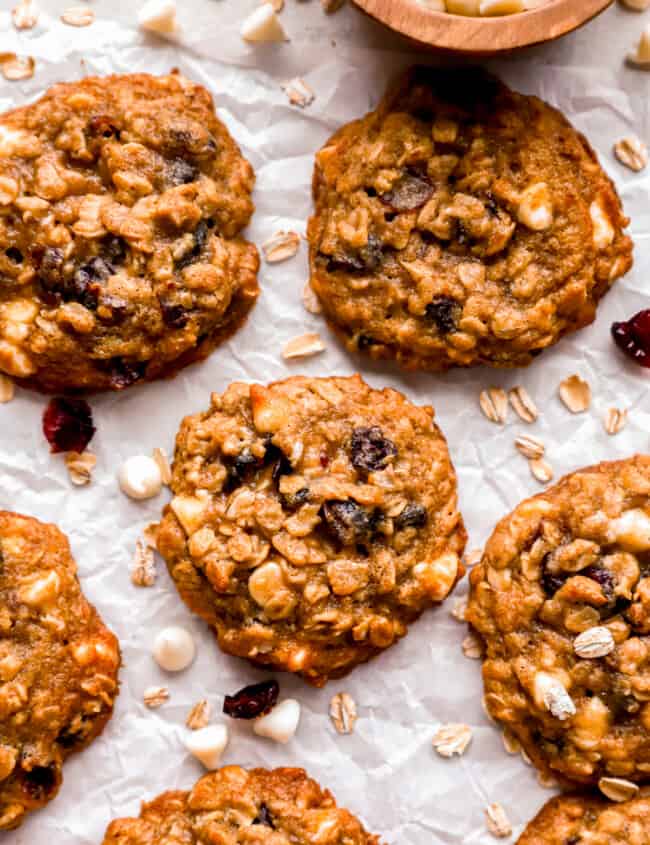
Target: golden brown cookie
{"x":585,"y":820}
{"x":462,"y":223}
{"x":58,"y":665}
{"x":561,"y":599}
{"x":240,"y":807}
{"x":121,"y":203}
{"x":312,"y":521}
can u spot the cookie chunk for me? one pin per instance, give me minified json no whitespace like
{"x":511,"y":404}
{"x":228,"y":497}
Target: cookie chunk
{"x":462,"y":223}
{"x":233,"y":805}
{"x":583,"y":820}
{"x":58,"y":665}
{"x":312,"y":521}
{"x":121,"y":203}
{"x":562,"y":600}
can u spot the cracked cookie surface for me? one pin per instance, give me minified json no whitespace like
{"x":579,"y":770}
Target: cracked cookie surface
{"x":584,"y":820}
{"x":561,"y":599}
{"x":58,"y":665}
{"x":312,"y":521}
{"x":243,"y":807}
{"x":462,"y":223}
{"x":121,"y":203}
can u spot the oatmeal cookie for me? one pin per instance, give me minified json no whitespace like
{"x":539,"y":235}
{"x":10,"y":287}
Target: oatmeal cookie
{"x":462,"y":223}
{"x":280,"y":806}
{"x":121,"y":203}
{"x":312,"y":521}
{"x":562,"y":600}
{"x":58,"y":665}
{"x":584,"y":820}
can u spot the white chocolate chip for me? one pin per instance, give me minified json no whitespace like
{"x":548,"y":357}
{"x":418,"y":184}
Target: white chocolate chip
{"x":535,"y":209}
{"x":281,"y":723}
{"x":603,"y":229}
{"x":42,"y":591}
{"x":632,"y":530}
{"x":140,"y":477}
{"x":551,"y":694}
{"x":438,"y":576}
{"x":158,"y":16}
{"x":208,"y":744}
{"x":641,"y":55}
{"x":174,"y":649}
{"x":263,"y":25}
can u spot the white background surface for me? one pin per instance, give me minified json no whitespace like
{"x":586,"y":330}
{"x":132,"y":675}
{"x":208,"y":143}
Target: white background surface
{"x":386,"y":772}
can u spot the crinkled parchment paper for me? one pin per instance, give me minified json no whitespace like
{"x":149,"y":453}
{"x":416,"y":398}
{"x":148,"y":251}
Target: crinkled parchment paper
{"x":386,"y":771}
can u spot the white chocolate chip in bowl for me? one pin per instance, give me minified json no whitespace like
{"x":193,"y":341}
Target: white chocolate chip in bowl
{"x":140,"y":477}
{"x":174,"y":649}
{"x":208,"y":744}
{"x":281,"y":723}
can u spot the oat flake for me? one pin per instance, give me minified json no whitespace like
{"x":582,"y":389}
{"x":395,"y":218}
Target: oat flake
{"x":303,"y":345}
{"x":541,"y":470}
{"x":343,"y":712}
{"x":594,"y":642}
{"x":160,"y":457}
{"x":452,"y":739}
{"x":617,"y":789}
{"x":494,"y":404}
{"x":154,"y":697}
{"x":199,"y":716}
{"x":15,"y":68}
{"x":497,"y":821}
{"x":530,"y":447}
{"x":143,"y":571}
{"x":510,"y":742}
{"x":281,"y":246}
{"x":7,"y":389}
{"x":80,"y":467}
{"x":615,"y":420}
{"x":576,"y":394}
{"x":24,"y":15}
{"x":310,"y":300}
{"x":523,"y":404}
{"x":472,"y":647}
{"x":459,"y":610}
{"x":299,"y":93}
{"x":78,"y":16}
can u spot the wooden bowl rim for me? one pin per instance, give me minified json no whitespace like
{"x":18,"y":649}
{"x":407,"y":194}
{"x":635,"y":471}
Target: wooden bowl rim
{"x":483,"y":35}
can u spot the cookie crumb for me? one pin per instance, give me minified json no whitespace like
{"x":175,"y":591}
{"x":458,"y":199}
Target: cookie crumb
{"x":299,"y":93}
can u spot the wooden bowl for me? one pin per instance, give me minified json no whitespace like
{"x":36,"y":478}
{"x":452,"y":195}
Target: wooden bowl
{"x":483,"y":35}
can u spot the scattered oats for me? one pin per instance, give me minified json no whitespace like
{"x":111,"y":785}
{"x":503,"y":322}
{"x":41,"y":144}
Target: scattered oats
{"x":154,"y":697}
{"x":150,"y":535}
{"x":547,"y":781}
{"x":632,"y":152}
{"x":303,"y":345}
{"x":615,"y":420}
{"x":78,"y":16}
{"x":473,"y":558}
{"x":550,"y":693}
{"x":576,"y":394}
{"x":343,"y":712}
{"x":281,"y":246}
{"x":617,"y":789}
{"x":80,"y":467}
{"x":510,"y":742}
{"x":541,"y":470}
{"x":15,"y":67}
{"x":331,"y":6}
{"x":6,"y":389}
{"x":299,"y":93}
{"x":310,"y":300}
{"x":452,"y":739}
{"x":494,"y":404}
{"x":530,"y":447}
{"x":472,"y":646}
{"x":160,"y":457}
{"x":594,"y":642}
{"x":278,"y":5}
{"x":199,"y":716}
{"x":523,"y":404}
{"x":143,"y":570}
{"x":459,"y":610}
{"x":497,"y":821}
{"x":25,"y":15}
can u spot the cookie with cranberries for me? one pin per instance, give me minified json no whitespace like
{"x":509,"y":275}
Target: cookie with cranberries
{"x":313,"y":520}
{"x":121,"y":260}
{"x":582,"y":819}
{"x":462,"y":223}
{"x":561,"y":599}
{"x":58,"y":665}
{"x":239,"y":806}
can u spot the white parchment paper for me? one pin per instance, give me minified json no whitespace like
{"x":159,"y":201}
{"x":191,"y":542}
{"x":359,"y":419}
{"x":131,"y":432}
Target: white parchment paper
{"x":386,"y":771}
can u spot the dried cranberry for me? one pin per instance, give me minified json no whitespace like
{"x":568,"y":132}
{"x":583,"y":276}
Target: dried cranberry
{"x":411,"y":191}
{"x":240,"y":468}
{"x":200,"y":237}
{"x":14,"y":254}
{"x":181,"y":172}
{"x":114,"y":248}
{"x":324,"y":459}
{"x":49,"y":262}
{"x":602,"y":576}
{"x":444,"y":311}
{"x":633,"y":337}
{"x":174,"y":316}
{"x":347,"y":522}
{"x":41,"y":781}
{"x":364,"y":341}
{"x":101,"y":126}
{"x":370,"y":450}
{"x":68,"y":424}
{"x":293,"y":501}
{"x":125,"y":373}
{"x":366,"y":259}
{"x":252,"y":701}
{"x":413,"y":515}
